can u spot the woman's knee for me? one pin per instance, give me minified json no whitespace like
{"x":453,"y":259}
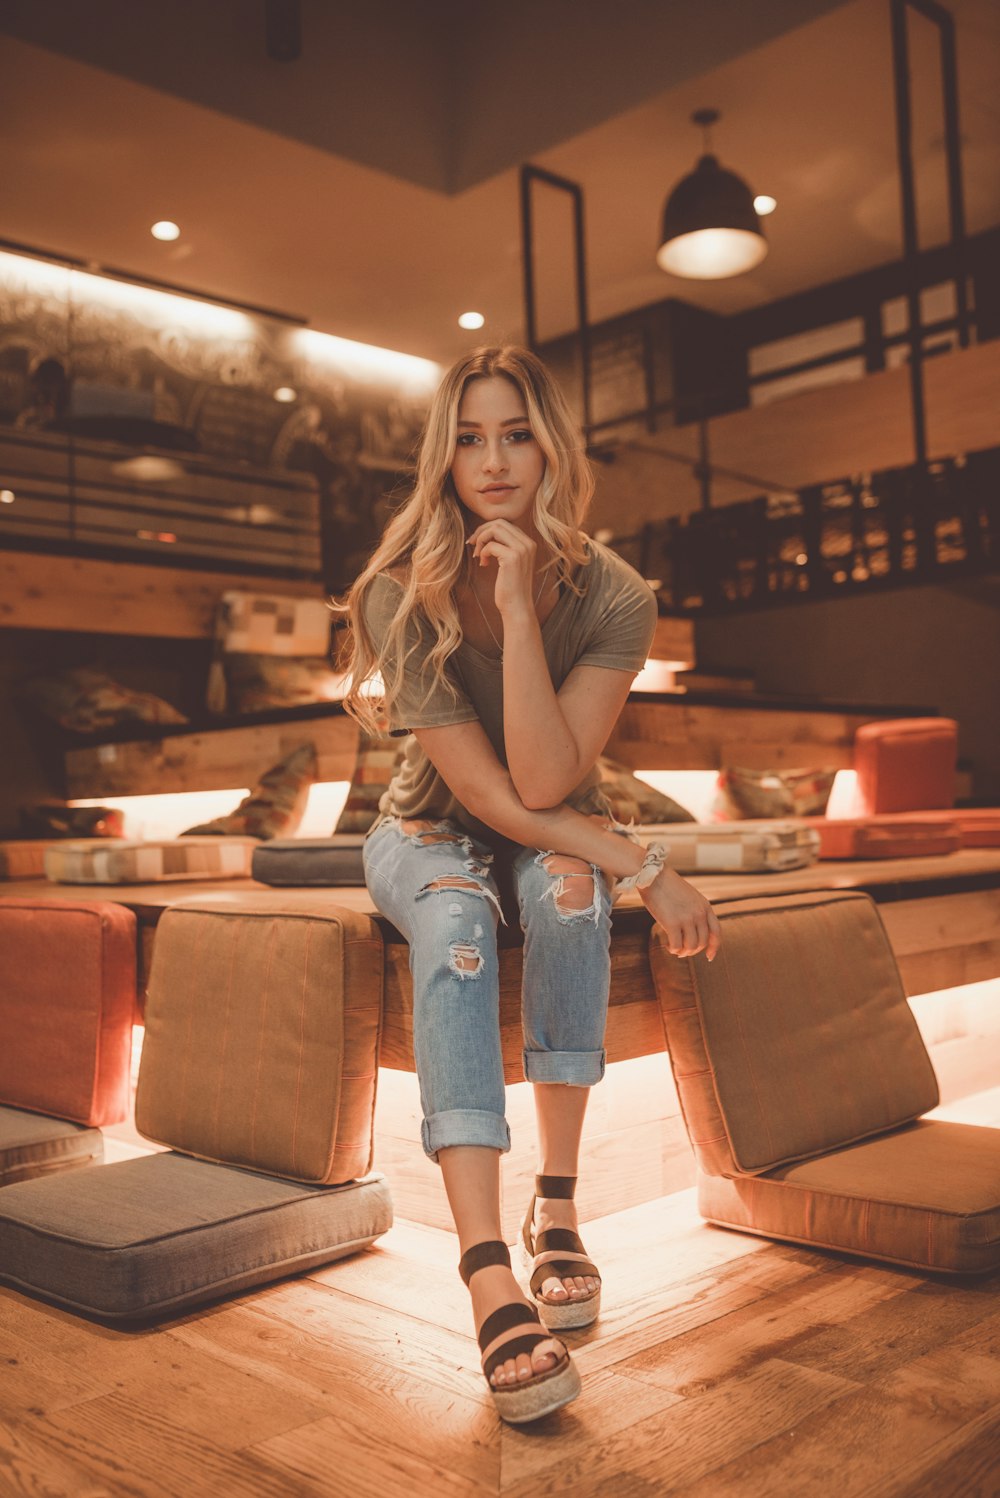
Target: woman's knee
{"x":571,"y":888}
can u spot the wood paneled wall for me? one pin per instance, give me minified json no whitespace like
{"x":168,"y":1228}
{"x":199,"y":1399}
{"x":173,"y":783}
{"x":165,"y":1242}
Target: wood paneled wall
{"x":815,"y":437}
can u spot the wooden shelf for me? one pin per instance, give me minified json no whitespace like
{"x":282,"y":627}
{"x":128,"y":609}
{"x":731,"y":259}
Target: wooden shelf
{"x":679,"y":731}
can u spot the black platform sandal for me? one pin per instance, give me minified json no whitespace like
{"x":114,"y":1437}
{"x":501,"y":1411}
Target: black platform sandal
{"x":540,"y":1394}
{"x":558,"y":1253}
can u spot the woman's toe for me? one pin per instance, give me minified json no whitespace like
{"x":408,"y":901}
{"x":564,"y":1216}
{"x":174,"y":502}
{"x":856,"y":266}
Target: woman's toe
{"x":554,"y":1290}
{"x":523,"y":1366}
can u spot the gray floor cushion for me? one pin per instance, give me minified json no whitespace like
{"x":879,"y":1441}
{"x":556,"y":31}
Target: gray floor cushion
{"x":156,"y":1234}
{"x":310,"y":860}
{"x":32,"y":1144}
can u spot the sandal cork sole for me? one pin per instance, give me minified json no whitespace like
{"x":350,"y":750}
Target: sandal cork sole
{"x":570,"y":1315}
{"x":542,"y":1394}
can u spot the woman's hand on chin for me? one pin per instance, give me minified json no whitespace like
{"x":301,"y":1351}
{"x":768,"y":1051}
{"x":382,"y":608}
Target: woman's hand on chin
{"x":514,"y":553}
{"x":685,"y":915}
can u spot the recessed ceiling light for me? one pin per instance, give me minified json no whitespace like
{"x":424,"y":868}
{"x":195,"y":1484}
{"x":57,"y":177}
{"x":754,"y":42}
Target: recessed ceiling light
{"x":285,"y":394}
{"x":471,"y":320}
{"x":164,"y":228}
{"x":6,"y":496}
{"x":764,"y":204}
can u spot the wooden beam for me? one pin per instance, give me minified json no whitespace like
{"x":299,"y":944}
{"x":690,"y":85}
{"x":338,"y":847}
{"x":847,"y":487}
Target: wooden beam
{"x":666,"y":735}
{"x":38,"y":591}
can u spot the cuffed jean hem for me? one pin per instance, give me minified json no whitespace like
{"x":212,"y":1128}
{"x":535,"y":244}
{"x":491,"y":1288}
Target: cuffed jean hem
{"x":578,"y":1068}
{"x":464,"y":1126}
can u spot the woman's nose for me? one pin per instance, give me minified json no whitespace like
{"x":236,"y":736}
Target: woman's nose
{"x":494,"y":458}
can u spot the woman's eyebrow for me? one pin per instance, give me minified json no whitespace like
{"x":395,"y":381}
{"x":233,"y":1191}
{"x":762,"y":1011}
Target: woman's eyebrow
{"x":513,"y":421}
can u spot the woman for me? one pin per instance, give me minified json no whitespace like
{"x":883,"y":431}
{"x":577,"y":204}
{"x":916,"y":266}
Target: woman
{"x":507,"y":642}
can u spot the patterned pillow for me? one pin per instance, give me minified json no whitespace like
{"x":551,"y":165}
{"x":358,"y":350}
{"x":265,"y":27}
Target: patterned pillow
{"x":744,"y":793}
{"x":255,"y":683}
{"x":256,"y":633}
{"x":275,"y":806}
{"x":87,"y":701}
{"x":378,"y":756}
{"x":632,"y":800}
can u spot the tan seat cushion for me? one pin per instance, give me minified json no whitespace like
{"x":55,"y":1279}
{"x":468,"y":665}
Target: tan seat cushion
{"x":927,"y":1195}
{"x":262,"y":1024}
{"x":797,"y":1039}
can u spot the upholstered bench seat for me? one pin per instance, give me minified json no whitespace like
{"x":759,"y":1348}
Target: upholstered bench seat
{"x":927,"y":1196}
{"x":32,"y":1144}
{"x":803,"y":1078}
{"x":258,"y":1075}
{"x":305,"y":861}
{"x":144,"y":1237}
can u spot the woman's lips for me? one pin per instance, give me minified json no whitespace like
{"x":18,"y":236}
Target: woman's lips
{"x":498,"y":489}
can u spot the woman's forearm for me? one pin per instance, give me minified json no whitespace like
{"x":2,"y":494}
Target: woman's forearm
{"x":542,"y":754}
{"x":555,"y":829}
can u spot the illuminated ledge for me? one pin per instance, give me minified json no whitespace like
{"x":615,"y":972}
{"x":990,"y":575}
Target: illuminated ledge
{"x":678,"y":731}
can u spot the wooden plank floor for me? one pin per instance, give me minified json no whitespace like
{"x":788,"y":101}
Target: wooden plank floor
{"x":722,"y":1365}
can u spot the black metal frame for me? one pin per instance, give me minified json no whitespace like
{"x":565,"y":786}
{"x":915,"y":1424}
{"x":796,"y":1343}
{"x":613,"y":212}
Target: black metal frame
{"x":529,"y":175}
{"x":943,"y":20}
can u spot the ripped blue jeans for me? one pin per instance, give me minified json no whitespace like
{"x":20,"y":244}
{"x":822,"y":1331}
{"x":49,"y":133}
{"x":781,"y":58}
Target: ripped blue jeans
{"x":438,"y":886}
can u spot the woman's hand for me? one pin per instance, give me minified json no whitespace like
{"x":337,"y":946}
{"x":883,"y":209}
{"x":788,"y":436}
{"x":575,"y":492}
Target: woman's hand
{"x":514,"y":554}
{"x":685,"y":915}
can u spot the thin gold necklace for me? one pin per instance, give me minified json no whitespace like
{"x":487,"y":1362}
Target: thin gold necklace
{"x":499,"y":643}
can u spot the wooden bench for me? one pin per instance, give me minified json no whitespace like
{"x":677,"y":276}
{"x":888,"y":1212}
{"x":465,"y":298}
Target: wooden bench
{"x":943,"y":920}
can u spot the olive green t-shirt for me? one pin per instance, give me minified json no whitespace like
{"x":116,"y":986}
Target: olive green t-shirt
{"x":610,"y":624}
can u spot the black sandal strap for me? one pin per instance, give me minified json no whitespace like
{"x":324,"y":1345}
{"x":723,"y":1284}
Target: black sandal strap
{"x":481,"y":1256}
{"x":515,"y":1313}
{"x":559,"y":1238}
{"x":556,"y":1188}
{"x":516,"y":1345}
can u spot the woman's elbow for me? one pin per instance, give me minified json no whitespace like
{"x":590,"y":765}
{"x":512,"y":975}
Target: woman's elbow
{"x":540,"y":793}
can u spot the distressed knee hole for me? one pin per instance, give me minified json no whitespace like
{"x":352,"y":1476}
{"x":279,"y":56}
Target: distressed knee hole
{"x":573,"y":883}
{"x":466,"y":884}
{"x":465,"y":959}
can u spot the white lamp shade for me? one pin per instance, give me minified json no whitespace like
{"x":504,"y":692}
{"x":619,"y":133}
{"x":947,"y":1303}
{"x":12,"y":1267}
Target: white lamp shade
{"x":712,"y":254}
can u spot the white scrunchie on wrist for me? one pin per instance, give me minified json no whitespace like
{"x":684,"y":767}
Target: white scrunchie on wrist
{"x":654,"y":861}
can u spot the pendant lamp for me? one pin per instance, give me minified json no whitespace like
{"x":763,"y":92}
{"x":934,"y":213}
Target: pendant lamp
{"x":710,"y":227}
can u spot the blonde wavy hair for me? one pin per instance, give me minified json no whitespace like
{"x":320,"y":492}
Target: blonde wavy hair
{"x":424,"y":542}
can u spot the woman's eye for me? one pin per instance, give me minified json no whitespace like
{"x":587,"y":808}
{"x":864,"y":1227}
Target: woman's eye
{"x":521,"y":435}
{"x":466,"y":439}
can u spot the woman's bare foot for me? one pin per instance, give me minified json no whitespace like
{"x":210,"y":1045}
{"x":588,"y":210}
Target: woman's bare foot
{"x":492,"y":1288}
{"x":552,"y":1212}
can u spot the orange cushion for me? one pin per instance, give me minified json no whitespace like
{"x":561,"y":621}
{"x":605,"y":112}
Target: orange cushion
{"x":978,"y":826}
{"x":797,"y":1039}
{"x":67,"y":1001}
{"x":906,"y":764}
{"x":927,"y":1195}
{"x":23,"y":858}
{"x":912,"y":836}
